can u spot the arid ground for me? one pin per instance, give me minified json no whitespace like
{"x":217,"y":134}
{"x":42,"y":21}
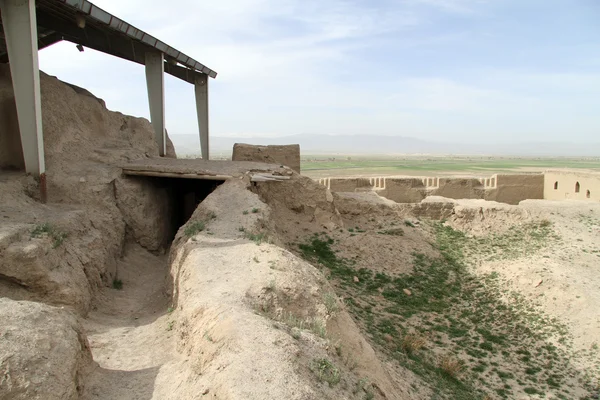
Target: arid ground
{"x":280,"y":288}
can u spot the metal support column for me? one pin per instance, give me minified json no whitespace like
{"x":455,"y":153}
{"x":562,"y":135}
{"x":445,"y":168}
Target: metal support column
{"x":201,"y":90}
{"x":155,"y":68}
{"x":20,"y":31}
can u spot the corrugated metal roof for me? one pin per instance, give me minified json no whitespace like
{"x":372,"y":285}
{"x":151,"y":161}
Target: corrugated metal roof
{"x":134,"y":33}
{"x":56,"y":21}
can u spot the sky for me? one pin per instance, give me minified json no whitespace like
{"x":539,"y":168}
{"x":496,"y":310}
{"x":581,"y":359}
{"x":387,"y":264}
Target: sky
{"x":485,"y":71}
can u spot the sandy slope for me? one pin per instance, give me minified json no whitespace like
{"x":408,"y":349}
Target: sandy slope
{"x":563,"y":277}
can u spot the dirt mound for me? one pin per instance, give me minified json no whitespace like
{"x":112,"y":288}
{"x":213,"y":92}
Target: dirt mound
{"x":54,"y":253}
{"x":254,"y":320}
{"x":43,"y":354}
{"x":62,"y":254}
{"x":368,"y":230}
{"x":479,"y":217}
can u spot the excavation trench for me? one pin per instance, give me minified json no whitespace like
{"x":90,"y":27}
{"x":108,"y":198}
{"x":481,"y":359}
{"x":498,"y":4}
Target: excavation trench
{"x":129,"y":328}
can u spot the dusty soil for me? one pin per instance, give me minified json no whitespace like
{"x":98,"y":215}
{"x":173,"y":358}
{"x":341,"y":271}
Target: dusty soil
{"x":278,"y":289}
{"x":376,"y":243}
{"x":562,"y":277}
{"x":128,"y":329}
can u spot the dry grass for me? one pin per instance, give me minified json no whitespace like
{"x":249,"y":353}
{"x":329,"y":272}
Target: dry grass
{"x":450,"y":365}
{"x":413,"y":342}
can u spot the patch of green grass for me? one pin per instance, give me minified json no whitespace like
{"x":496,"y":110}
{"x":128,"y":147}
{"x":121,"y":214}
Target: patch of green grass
{"x":257,"y":238}
{"x":331,"y":303}
{"x":194,"y":228}
{"x":375,"y":166}
{"x":531,"y":390}
{"x":392,"y":232}
{"x":245,"y":212}
{"x":255,"y":210}
{"x":117,"y":284}
{"x":458,"y":312}
{"x":325,"y":370}
{"x":57,"y":236}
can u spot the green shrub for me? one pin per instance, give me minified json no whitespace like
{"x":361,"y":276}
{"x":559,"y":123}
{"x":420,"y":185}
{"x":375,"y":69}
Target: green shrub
{"x":194,"y":228}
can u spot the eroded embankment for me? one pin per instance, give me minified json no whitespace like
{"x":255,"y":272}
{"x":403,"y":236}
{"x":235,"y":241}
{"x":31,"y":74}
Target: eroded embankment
{"x":397,"y":307}
{"x":425,"y":297}
{"x":229,"y":316}
{"x":255,"y":321}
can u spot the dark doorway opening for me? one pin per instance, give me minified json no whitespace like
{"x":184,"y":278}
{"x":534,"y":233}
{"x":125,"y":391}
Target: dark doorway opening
{"x":556,"y":185}
{"x":577,"y":187}
{"x":184,"y":197}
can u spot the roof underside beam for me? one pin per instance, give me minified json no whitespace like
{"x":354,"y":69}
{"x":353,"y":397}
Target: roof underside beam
{"x":43,"y":42}
{"x":112,"y":43}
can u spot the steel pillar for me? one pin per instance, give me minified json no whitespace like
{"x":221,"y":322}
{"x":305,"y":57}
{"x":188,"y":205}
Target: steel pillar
{"x":201,"y":90}
{"x":20,"y":31}
{"x":155,"y":68}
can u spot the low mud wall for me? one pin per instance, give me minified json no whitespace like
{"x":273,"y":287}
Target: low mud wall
{"x":288,"y":155}
{"x":505,"y":188}
{"x":513,"y":188}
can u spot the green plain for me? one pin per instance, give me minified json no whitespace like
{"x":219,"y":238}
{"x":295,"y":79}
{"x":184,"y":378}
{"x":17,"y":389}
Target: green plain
{"x":336,"y":165}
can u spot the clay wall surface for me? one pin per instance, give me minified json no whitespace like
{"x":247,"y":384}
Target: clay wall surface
{"x":565,"y":182}
{"x":404,"y":190}
{"x":349,"y":185}
{"x":513,"y":188}
{"x":505,"y":188}
{"x":288,"y":155}
{"x":459,"y":188}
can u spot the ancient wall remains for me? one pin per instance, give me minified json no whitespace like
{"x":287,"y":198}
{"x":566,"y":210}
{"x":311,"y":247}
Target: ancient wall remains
{"x":288,"y":155}
{"x":403,"y":190}
{"x":513,"y":188}
{"x":569,"y":184}
{"x":459,"y":188}
{"x":505,"y":188}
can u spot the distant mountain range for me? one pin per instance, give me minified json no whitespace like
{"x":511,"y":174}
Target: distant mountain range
{"x":386,"y":145}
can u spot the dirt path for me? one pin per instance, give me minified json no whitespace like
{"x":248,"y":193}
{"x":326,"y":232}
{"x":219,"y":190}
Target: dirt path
{"x":128,"y":330}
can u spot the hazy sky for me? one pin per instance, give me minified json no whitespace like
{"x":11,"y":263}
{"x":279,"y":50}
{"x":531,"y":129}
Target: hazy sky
{"x":463,"y":70}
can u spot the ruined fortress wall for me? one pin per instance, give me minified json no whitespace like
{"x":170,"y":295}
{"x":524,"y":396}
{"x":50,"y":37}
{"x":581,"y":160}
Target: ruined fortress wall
{"x":561,"y":185}
{"x":404,"y":190}
{"x":459,"y":188}
{"x":505,"y":188}
{"x":513,"y":188}
{"x":288,"y":155}
{"x":349,"y":184}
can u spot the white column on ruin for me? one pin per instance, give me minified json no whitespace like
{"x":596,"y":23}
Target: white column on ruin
{"x":201,"y":91}
{"x":155,"y":81}
{"x":20,"y":31}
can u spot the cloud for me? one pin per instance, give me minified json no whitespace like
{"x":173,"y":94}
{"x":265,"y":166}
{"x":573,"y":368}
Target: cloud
{"x":411,"y":67}
{"x":454,"y":6}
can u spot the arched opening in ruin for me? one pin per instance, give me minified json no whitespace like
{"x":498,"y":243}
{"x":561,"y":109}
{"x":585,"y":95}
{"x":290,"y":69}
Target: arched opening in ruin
{"x":588,"y":194}
{"x":556,"y":185}
{"x":577,"y":187}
